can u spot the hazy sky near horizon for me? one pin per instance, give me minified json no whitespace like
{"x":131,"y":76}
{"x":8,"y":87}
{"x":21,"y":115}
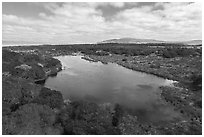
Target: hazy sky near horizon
{"x":57,"y":23}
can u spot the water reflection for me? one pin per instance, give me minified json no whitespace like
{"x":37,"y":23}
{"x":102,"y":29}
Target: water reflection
{"x":137,"y":92}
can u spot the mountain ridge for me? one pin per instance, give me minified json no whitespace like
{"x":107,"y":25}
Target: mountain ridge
{"x":145,"y":41}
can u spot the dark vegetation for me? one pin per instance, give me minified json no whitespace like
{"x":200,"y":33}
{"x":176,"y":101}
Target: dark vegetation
{"x":28,"y":66}
{"x":30,"y":108}
{"x":31,"y":119}
{"x":196,"y":82}
{"x":48,"y":97}
{"x":162,"y":49}
{"x":87,"y":118}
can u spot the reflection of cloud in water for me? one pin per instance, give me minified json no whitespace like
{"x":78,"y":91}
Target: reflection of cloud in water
{"x":141,"y":93}
{"x":153,"y":111}
{"x":71,"y":73}
{"x":95,"y":82}
{"x":144,"y":86}
{"x":161,"y":112}
{"x":117,"y":89}
{"x":91,"y":98}
{"x":66,"y":67}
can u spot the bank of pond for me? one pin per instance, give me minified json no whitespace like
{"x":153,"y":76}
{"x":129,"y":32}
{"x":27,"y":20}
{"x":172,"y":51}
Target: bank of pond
{"x":87,"y":97}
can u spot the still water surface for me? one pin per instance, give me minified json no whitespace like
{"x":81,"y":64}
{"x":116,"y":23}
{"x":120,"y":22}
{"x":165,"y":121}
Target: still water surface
{"x":138,"y":92}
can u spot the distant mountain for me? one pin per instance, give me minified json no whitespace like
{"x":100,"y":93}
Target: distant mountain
{"x":144,"y":41}
{"x":193,"y":42}
{"x":131,"y":40}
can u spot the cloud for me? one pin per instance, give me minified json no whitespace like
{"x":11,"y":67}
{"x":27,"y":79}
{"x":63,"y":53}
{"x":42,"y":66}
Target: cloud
{"x":84,"y":23}
{"x":175,"y":20}
{"x":117,"y":4}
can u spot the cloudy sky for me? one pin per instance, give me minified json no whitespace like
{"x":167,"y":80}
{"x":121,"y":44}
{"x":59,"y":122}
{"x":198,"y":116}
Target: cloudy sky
{"x":93,"y":22}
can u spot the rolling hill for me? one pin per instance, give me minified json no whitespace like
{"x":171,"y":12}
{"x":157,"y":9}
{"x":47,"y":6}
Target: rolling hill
{"x":144,"y":41}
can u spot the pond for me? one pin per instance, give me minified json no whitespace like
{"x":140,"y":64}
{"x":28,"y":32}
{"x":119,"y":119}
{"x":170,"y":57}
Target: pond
{"x":111,"y":83}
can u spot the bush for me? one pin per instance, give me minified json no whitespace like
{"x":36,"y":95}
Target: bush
{"x":198,"y":103}
{"x":87,"y":118}
{"x":35,"y":73}
{"x":31,"y":119}
{"x":50,"y":98}
{"x":31,"y":58}
{"x":155,"y":65}
{"x":11,"y":92}
{"x":17,"y":91}
{"x":50,"y":62}
{"x":9,"y":60}
{"x":129,"y":125}
{"x":124,"y":59}
{"x":9,"y":56}
{"x":118,"y":113}
{"x":5,"y":108}
{"x":169,"y":53}
{"x":196,"y":81}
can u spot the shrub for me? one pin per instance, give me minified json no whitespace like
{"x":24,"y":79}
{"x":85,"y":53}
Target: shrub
{"x":129,"y":125}
{"x":169,"y":53}
{"x":50,"y":98}
{"x":87,"y":118}
{"x":124,"y":59}
{"x":31,"y":119}
{"x":10,"y":60}
{"x":11,"y":93}
{"x":196,"y":81}
{"x":155,"y":65}
{"x":31,"y":58}
{"x":50,"y":62}
{"x":17,"y":91}
{"x":118,"y":113}
{"x":9,"y":56}
{"x":35,"y":73}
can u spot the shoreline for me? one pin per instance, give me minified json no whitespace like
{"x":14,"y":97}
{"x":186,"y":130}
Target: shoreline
{"x":131,"y":68}
{"x":170,"y":95}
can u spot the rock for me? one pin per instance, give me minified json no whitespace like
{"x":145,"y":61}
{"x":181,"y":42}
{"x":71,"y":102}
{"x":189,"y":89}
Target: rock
{"x":67,"y":101}
{"x":6,"y":74}
{"x":41,"y":65}
{"x":24,"y":67}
